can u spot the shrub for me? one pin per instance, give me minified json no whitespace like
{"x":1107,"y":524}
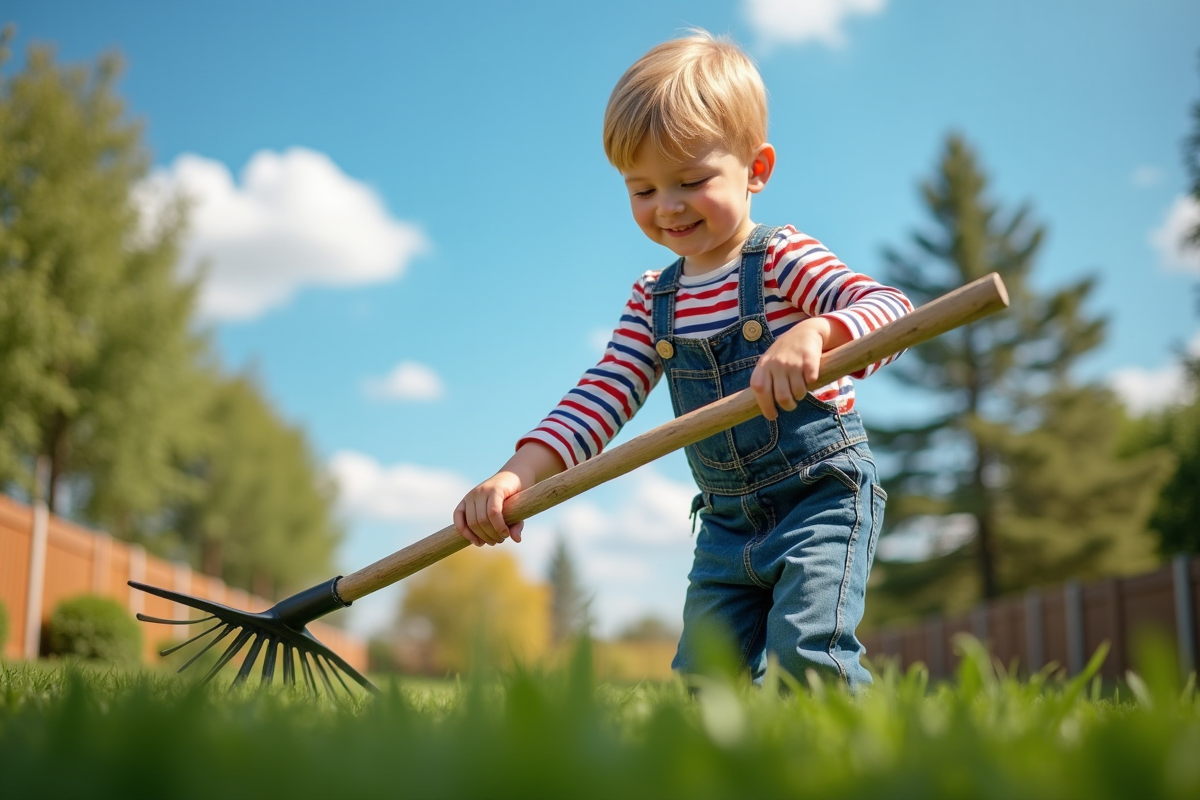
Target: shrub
{"x":94,"y":627}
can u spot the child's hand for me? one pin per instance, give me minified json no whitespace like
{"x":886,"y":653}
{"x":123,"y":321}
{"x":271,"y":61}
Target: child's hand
{"x":791,"y":365}
{"x":479,"y":518}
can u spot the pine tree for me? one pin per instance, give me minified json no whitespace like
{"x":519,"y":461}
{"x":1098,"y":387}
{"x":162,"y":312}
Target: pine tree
{"x":568,"y":601}
{"x":1031,"y":457}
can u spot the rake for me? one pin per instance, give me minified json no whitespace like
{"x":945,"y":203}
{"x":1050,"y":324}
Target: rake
{"x":280,"y":634}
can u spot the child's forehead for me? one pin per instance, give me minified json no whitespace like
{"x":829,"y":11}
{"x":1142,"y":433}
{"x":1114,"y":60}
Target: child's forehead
{"x":652,"y":158}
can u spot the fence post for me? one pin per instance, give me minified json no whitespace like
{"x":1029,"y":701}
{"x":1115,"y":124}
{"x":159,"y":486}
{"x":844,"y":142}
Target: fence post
{"x":935,"y":647}
{"x":1185,"y":620}
{"x":1034,"y":640}
{"x":137,"y":572}
{"x":37,"y":558}
{"x":1073,"y":611}
{"x":979,"y":624}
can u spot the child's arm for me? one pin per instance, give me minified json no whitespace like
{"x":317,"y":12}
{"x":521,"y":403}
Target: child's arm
{"x":578,"y":428}
{"x":479,"y":518}
{"x":836,"y":306}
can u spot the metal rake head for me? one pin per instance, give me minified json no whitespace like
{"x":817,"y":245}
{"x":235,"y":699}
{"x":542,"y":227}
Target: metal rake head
{"x":280,"y":627}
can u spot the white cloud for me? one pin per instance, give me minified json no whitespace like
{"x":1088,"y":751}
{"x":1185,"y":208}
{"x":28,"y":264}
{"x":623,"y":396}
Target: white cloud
{"x":1147,"y":390}
{"x":408,"y":380}
{"x":598,"y":340}
{"x":926,"y":536}
{"x":1169,"y":239}
{"x":295,"y":220}
{"x":801,"y":21}
{"x":1146,"y":176}
{"x":655,"y":513}
{"x":398,"y":493}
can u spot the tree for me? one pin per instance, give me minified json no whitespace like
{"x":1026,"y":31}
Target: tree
{"x":97,"y":358}
{"x":261,"y":516}
{"x":568,"y":602}
{"x":475,"y":608}
{"x":1031,"y":457}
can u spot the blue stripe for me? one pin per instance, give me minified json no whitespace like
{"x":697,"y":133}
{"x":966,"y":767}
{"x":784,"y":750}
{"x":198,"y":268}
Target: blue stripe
{"x":822,"y":298}
{"x":578,"y":436}
{"x":708,"y":326}
{"x":844,"y":315}
{"x":629,"y":351}
{"x":612,"y":412}
{"x":619,"y":378}
{"x":892,"y":303}
{"x":638,"y":320}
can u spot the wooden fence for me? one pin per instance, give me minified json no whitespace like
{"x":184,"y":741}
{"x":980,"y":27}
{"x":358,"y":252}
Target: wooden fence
{"x":1063,"y":625}
{"x":79,"y":561}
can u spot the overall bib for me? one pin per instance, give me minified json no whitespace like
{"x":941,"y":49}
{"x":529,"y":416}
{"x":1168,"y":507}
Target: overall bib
{"x":790,"y":510}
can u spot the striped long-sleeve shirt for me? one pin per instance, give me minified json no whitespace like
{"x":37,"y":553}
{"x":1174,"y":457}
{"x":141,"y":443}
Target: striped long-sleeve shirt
{"x":801,"y":279}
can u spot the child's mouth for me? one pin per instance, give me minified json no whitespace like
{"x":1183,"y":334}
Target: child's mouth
{"x":682,"y":230}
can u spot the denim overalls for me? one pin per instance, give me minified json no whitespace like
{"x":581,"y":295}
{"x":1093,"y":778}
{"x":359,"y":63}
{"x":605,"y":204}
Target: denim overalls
{"x":790,"y":510}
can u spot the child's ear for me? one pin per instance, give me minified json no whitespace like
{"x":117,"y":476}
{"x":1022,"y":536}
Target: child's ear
{"x":762,"y":164}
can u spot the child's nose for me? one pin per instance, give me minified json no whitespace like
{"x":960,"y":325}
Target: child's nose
{"x":669,"y":204}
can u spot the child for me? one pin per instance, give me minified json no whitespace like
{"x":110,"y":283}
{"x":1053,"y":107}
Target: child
{"x":790,"y":502}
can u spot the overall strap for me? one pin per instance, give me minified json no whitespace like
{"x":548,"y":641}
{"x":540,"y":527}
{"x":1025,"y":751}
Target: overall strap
{"x":663,"y":312}
{"x":750,"y":275}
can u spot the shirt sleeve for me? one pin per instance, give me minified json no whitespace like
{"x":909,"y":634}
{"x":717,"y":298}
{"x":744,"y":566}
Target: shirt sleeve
{"x":610,"y":393}
{"x":816,"y":282}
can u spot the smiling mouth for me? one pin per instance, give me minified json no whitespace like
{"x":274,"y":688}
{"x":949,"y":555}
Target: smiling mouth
{"x":681,"y":229}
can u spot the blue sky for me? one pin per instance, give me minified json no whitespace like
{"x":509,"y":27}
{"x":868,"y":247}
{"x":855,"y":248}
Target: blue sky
{"x":415,"y":241}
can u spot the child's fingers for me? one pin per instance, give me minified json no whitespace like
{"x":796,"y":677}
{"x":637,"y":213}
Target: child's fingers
{"x":782,"y":385}
{"x":515,"y":529}
{"x":495,"y":512}
{"x":481,"y":524}
{"x":760,"y":384}
{"x":460,"y":524}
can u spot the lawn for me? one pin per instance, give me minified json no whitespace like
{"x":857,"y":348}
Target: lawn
{"x":74,"y":732}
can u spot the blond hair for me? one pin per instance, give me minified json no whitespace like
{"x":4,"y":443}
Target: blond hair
{"x":684,"y":94}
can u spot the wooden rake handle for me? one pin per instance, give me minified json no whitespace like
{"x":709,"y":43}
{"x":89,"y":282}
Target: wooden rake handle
{"x":962,"y":306}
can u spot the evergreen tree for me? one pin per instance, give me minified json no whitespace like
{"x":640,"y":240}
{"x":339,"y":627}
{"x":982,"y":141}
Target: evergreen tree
{"x":1032,"y":458}
{"x":96,"y":358}
{"x":568,"y":602}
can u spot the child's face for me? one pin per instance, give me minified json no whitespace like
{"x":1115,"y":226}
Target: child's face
{"x":698,"y":208}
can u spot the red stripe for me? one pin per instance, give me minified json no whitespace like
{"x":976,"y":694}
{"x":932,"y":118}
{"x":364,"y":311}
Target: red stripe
{"x":805,"y":302}
{"x":585,"y":410}
{"x":610,"y":390}
{"x":611,"y":359}
{"x":636,"y":335}
{"x":570,"y":450}
{"x":727,"y":285}
{"x":702,"y":310}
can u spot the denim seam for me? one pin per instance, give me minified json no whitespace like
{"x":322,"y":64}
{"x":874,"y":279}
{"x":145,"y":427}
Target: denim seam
{"x":850,"y":544}
{"x":820,"y":454}
{"x":758,"y":626}
{"x":747,"y":551}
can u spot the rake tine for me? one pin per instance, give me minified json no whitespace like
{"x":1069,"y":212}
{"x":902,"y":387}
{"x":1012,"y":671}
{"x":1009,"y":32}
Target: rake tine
{"x":229,"y":653}
{"x":309,"y":680}
{"x":289,"y":667}
{"x":324,"y":677}
{"x":161,"y":621}
{"x":268,"y":670}
{"x":337,"y":674}
{"x":170,"y":650}
{"x":248,"y":661}
{"x":229,"y":628}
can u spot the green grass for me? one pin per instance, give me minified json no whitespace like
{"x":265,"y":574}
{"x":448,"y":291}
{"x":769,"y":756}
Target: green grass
{"x":97,"y":733}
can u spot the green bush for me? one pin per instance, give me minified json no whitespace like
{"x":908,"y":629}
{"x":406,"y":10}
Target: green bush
{"x":96,"y":628}
{"x":3,"y":628}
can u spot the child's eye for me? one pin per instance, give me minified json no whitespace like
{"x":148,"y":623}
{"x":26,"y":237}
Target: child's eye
{"x":694,"y":184}
{"x":643,"y":193}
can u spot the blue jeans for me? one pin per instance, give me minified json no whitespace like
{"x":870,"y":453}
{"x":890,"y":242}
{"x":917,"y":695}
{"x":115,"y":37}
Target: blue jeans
{"x":784,"y":569}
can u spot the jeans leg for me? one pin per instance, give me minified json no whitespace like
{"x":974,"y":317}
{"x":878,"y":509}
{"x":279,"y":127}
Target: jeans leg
{"x":721,"y":595}
{"x":818,"y":559}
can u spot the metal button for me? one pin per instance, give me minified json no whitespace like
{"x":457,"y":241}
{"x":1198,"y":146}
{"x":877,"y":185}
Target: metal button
{"x":664,"y":348}
{"x":752,"y":330}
